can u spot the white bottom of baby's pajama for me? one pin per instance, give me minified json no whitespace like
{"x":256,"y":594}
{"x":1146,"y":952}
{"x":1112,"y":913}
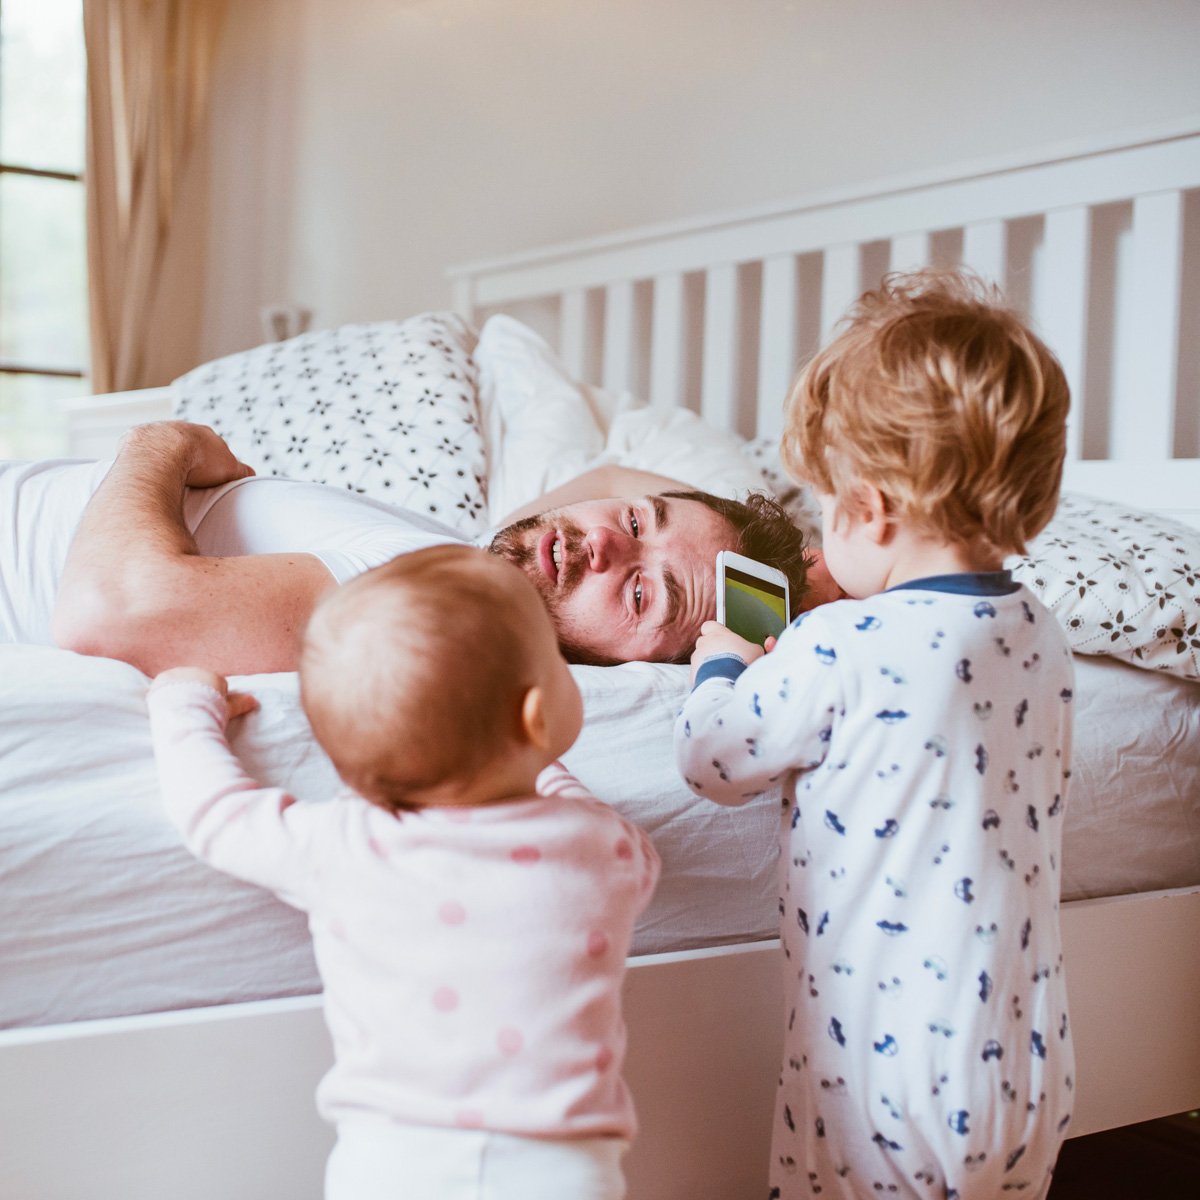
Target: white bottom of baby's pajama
{"x":845,"y":1164}
{"x":379,"y":1161}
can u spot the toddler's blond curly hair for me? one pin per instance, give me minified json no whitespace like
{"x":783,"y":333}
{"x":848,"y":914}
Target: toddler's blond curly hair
{"x":943,"y":398}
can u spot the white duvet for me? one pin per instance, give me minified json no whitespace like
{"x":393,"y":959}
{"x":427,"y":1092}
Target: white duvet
{"x":105,"y":914}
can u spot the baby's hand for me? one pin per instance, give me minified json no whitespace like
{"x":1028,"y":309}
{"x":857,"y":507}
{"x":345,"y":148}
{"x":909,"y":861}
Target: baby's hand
{"x":715,"y":638}
{"x":237,"y":704}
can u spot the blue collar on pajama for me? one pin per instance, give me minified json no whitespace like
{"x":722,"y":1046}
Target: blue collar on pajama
{"x":979,"y":583}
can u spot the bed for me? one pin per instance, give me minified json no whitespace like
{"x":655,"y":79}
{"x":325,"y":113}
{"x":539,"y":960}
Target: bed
{"x":159,"y":1031}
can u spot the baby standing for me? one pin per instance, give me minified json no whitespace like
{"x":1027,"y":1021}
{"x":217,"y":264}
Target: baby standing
{"x":921,"y":730}
{"x":470,"y":928}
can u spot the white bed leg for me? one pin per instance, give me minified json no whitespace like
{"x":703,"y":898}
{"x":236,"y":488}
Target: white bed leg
{"x":1133,"y":982}
{"x":705,"y":1037}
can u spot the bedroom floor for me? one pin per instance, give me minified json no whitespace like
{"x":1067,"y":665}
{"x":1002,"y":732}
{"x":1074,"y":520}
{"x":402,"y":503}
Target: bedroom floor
{"x":1159,"y":1160}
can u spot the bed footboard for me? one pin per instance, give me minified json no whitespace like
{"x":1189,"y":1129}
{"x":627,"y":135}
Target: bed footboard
{"x":219,"y":1102}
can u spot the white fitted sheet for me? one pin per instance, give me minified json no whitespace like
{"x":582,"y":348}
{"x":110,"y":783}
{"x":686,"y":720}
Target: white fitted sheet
{"x":105,"y":914}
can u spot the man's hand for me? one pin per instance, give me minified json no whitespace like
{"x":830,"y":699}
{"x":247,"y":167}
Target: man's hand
{"x":237,"y":704}
{"x":715,"y":638}
{"x":135,"y":585}
{"x":203,"y":454}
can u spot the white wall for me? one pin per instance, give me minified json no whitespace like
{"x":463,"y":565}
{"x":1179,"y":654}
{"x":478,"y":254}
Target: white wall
{"x":361,"y":146}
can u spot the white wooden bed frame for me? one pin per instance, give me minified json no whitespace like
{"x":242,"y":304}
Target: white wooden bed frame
{"x":1099,"y":243}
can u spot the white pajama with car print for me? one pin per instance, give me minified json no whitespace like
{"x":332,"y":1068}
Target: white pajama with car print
{"x":922,"y":741}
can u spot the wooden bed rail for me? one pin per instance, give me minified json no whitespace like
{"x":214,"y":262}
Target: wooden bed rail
{"x":705,"y":1038}
{"x":1100,"y":246}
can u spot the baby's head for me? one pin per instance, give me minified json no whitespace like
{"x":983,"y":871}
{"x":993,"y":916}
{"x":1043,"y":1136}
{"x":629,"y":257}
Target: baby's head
{"x":944,"y":400}
{"x":437,"y":679}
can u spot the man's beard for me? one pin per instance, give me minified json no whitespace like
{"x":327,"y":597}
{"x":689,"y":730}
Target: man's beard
{"x":518,"y":543}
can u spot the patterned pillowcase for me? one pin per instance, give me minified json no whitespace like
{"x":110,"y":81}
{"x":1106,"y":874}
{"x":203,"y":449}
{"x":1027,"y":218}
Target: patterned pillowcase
{"x":798,"y":501}
{"x":1123,"y":582}
{"x":387,"y":409}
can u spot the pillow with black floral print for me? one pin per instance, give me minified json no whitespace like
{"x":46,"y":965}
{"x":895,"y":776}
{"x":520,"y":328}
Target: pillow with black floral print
{"x":1124,"y":583}
{"x":387,"y":409}
{"x":797,"y":500}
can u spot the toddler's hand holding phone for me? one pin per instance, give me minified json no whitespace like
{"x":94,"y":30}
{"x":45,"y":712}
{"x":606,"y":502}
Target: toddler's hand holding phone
{"x":715,"y":638}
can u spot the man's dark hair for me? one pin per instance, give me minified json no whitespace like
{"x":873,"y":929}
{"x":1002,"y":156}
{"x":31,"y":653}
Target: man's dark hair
{"x":764,"y":532}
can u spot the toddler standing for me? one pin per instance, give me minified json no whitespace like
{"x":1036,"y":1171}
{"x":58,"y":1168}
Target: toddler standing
{"x":921,"y":730}
{"x":470,"y":928}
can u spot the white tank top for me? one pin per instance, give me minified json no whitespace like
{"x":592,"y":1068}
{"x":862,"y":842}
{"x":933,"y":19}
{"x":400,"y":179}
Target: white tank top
{"x":41,"y":504}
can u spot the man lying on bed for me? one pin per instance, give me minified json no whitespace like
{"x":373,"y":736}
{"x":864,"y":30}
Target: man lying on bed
{"x":179,"y":555}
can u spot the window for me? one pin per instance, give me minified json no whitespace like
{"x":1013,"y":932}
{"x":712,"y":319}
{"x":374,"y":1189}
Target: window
{"x":43,"y":254}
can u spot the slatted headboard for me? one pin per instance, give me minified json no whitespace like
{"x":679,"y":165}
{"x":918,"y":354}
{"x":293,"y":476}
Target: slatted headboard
{"x":1098,"y":244}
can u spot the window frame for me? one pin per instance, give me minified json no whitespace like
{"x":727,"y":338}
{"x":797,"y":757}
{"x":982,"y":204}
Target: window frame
{"x":16,"y":367}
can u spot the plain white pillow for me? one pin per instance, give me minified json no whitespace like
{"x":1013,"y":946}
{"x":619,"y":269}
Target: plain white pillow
{"x":542,"y":427}
{"x":677,"y":443}
{"x":539,"y":426}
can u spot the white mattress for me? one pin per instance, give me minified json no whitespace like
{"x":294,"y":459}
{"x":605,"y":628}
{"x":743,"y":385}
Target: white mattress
{"x":104,"y":914}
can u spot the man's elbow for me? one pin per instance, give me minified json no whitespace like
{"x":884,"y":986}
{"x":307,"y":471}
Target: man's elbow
{"x":97,"y":622}
{"x":76,"y":621}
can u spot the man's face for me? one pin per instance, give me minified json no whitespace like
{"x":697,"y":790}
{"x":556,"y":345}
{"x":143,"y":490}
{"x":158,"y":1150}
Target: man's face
{"x":624,"y":580}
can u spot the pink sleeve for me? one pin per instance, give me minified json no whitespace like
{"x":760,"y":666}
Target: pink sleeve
{"x":650,"y":862}
{"x":556,"y":780}
{"x":226,"y":818}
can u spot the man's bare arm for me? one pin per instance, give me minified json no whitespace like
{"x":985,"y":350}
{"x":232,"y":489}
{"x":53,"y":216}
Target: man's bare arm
{"x":136,"y":588}
{"x":600,"y":483}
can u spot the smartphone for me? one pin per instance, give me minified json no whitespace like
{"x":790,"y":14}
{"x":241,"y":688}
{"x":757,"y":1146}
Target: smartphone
{"x":752,"y":598}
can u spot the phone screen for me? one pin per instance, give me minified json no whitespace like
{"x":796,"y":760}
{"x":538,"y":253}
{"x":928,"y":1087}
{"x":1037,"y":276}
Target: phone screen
{"x":754,"y":608}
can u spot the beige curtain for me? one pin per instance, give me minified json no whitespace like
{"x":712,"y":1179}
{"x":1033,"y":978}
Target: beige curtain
{"x":149,"y":66}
